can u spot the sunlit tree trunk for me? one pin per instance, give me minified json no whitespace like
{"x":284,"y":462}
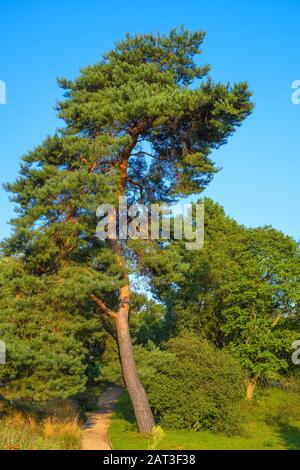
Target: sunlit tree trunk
{"x":134,"y":386}
{"x":137,"y":393}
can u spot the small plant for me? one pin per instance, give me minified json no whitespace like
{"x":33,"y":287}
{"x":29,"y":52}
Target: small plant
{"x":156,"y":436}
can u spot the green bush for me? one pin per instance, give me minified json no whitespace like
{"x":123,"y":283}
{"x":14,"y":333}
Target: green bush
{"x":199,"y":387}
{"x":149,"y":359}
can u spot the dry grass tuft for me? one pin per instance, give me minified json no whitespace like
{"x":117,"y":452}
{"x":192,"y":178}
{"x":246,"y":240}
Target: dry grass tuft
{"x":54,"y":427}
{"x":20,"y":431}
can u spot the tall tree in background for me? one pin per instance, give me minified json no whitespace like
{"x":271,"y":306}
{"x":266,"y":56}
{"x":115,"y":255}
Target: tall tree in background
{"x":140,"y":123}
{"x":261,"y":303}
{"x":242,"y":291}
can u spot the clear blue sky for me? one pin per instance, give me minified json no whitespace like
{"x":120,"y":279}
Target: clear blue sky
{"x":257,"y":41}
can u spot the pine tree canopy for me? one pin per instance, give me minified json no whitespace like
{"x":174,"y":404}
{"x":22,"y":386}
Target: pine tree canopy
{"x":142,"y":122}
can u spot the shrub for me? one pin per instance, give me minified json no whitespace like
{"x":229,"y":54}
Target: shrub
{"x":199,"y":387}
{"x":149,"y":360}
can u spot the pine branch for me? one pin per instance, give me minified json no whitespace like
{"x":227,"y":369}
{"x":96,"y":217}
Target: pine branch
{"x":103,"y":307}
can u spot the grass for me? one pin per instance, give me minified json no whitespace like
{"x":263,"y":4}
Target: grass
{"x":54,"y":425}
{"x":27,"y":430}
{"x":271,"y":422}
{"x":21,"y":432}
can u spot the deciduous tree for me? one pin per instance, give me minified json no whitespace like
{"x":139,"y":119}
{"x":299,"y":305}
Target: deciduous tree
{"x":242,"y":291}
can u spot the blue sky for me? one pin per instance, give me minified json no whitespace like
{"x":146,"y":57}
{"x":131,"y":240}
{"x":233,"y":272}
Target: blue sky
{"x":256,"y":41}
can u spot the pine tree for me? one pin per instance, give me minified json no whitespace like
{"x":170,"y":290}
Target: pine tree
{"x":140,"y":123}
{"x":49,"y":334}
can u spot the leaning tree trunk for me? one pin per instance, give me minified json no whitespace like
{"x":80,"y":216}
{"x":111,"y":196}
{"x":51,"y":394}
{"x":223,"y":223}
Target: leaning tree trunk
{"x":134,"y":386}
{"x":251,"y":388}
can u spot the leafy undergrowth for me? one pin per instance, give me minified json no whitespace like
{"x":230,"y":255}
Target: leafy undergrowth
{"x":271,"y":421}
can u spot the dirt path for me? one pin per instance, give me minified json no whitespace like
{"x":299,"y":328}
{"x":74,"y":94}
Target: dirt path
{"x":95,"y":434}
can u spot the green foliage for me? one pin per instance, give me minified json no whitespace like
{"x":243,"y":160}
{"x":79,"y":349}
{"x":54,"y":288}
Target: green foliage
{"x":49,"y":332}
{"x":147,"y":93}
{"x":261,"y":303}
{"x":270,"y":423}
{"x":241,"y":291}
{"x":156,"y":437}
{"x":143,"y":88}
{"x":110,"y":370}
{"x":149,"y":361}
{"x":88,"y":400}
{"x":198,"y":388}
{"x":147,"y":321}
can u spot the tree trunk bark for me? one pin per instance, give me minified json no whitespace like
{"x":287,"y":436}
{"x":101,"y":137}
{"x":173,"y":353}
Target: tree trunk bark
{"x":250,"y":389}
{"x":134,"y":386}
{"x":138,"y":396}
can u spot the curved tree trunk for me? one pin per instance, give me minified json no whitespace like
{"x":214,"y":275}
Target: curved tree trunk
{"x":134,"y":386}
